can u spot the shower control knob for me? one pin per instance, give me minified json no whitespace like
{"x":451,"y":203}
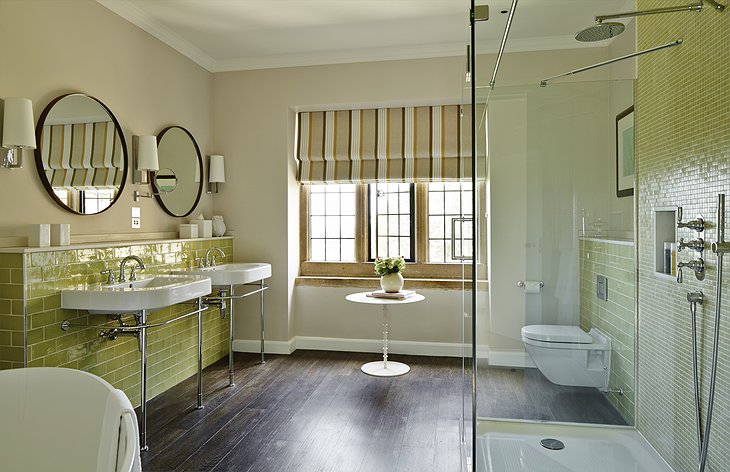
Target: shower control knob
{"x":694,"y":244}
{"x":697,"y":265}
{"x":698,"y":224}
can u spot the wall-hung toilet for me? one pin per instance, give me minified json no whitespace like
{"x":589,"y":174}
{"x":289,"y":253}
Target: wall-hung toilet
{"x":567,"y":355}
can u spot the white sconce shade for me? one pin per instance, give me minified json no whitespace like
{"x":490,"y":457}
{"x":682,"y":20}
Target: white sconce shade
{"x":147,"y":153}
{"x":18,"y":132}
{"x":217,"y":171}
{"x":18,"y":123}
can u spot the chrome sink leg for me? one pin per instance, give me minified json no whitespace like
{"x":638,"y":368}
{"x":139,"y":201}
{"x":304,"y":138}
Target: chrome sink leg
{"x":231,"y":380}
{"x":263,"y":285}
{"x":142,"y":319}
{"x":200,"y":353}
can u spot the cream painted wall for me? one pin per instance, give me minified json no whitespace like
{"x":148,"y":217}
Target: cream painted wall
{"x":253,"y":126}
{"x":56,"y":47}
{"x":81,"y":46}
{"x":433,"y":320}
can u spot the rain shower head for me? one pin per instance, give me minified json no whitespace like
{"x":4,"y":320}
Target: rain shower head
{"x":600,"y":31}
{"x":606,"y":30}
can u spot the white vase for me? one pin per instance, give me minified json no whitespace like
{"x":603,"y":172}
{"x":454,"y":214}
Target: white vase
{"x":392,"y":282}
{"x":219,"y":227}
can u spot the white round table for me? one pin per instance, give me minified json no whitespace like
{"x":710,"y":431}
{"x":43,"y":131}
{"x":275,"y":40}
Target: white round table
{"x":384,"y":368}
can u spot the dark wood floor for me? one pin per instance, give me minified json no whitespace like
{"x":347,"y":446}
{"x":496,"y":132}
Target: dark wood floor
{"x":311,"y":411}
{"x":527,"y":394}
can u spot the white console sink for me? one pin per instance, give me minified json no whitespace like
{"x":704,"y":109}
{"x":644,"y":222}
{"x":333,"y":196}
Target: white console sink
{"x":144,"y":294}
{"x":232,"y":274}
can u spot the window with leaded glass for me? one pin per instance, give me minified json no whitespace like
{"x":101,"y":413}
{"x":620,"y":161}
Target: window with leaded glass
{"x":391,"y":220}
{"x":450,"y":221}
{"x":332,"y":223}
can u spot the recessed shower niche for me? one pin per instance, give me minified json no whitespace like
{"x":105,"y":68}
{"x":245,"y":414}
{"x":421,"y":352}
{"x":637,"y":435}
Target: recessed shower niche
{"x":665,"y":237}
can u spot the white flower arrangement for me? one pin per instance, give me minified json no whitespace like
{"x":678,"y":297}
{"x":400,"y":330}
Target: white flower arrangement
{"x":389,"y":265}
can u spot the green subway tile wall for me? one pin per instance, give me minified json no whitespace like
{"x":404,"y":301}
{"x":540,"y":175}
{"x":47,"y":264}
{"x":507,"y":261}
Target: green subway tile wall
{"x":683,"y":159}
{"x":615,"y":316}
{"x":11,"y":311}
{"x":172,"y":349}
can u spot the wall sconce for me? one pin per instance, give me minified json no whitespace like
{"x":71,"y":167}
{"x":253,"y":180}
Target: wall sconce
{"x":18,"y":131}
{"x":216,"y":173}
{"x":145,"y":158}
{"x":145,"y":162}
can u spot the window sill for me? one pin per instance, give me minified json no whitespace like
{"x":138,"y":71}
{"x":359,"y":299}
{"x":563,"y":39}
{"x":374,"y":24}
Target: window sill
{"x":373,"y":283}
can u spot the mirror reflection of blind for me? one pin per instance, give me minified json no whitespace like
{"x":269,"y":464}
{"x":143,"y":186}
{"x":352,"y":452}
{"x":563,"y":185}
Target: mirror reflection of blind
{"x":82,"y":155}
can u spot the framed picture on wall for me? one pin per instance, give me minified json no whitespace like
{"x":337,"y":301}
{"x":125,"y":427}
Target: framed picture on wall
{"x":625,"y":160}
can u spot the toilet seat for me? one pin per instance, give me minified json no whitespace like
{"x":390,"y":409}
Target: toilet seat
{"x":556,"y":334}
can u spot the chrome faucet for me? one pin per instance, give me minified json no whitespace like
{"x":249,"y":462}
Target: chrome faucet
{"x":123,"y":265}
{"x":210,"y":258}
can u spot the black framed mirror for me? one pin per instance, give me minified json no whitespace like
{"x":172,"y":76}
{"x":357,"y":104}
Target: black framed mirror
{"x":81,"y":155}
{"x":179,"y":182}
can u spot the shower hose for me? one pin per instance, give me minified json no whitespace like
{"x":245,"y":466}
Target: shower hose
{"x":703,"y":440}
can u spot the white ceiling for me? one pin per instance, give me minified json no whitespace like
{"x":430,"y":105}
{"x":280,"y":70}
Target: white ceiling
{"x":223,"y":35}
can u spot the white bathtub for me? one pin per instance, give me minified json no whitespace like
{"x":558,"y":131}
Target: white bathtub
{"x":58,"y":420}
{"x":514,"y":446}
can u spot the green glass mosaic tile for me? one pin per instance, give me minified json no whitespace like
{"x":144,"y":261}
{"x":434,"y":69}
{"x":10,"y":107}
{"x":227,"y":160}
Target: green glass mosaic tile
{"x":680,"y":161}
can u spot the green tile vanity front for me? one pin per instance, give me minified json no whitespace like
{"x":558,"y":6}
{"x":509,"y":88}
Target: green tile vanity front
{"x":30,"y":304}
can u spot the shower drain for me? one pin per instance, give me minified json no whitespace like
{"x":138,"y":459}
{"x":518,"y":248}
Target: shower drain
{"x":552,"y":444}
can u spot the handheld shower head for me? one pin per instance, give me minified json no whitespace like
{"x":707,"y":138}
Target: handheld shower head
{"x":600,"y":31}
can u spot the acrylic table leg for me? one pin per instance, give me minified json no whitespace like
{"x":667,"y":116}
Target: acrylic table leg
{"x":385,"y":368}
{"x":385,"y":337}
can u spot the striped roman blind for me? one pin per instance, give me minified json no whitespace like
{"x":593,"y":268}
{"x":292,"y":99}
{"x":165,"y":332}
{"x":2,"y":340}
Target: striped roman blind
{"x":408,"y":144}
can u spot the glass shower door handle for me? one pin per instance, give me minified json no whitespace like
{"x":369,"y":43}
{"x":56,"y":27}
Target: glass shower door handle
{"x":462,"y":256}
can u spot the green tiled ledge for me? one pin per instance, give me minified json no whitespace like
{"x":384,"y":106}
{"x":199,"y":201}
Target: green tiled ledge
{"x":31,"y":280}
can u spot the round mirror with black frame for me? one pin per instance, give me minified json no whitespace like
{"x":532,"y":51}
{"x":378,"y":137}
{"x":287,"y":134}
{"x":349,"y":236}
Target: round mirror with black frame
{"x":81,"y":155}
{"x":179,"y":184}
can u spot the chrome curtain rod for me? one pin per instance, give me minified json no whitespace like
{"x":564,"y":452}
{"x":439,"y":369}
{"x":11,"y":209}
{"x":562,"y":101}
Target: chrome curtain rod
{"x":544,"y":82}
{"x":503,"y":43}
{"x":693,"y":7}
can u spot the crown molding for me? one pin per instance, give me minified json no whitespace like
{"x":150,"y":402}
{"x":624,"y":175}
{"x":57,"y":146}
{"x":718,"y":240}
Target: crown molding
{"x":546,"y":43}
{"x":129,"y":11}
{"x":138,"y":17}
{"x":343,"y":56}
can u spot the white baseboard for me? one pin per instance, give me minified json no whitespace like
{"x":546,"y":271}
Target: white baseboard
{"x":510,"y":359}
{"x":415,"y":348}
{"x":516,"y":358}
{"x":272,"y":347}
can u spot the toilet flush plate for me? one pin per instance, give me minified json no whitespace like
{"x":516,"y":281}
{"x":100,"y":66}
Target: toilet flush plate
{"x":602,"y":287}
